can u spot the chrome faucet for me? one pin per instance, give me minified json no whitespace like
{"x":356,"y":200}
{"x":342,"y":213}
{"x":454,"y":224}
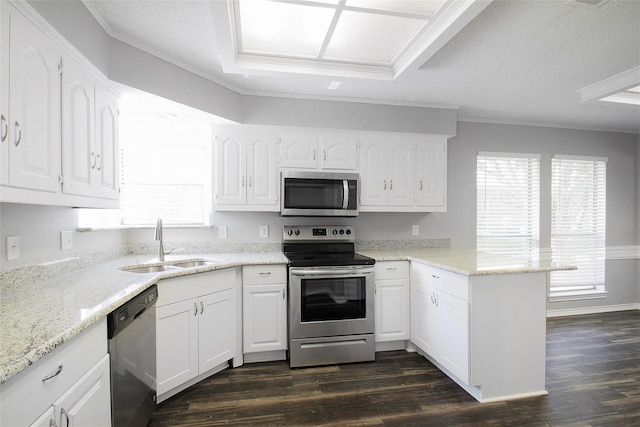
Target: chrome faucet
{"x":161,"y":252}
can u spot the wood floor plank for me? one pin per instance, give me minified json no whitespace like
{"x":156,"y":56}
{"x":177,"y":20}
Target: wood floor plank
{"x":593,"y":379}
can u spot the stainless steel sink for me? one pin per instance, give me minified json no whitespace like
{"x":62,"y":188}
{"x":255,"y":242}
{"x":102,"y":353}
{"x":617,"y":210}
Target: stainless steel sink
{"x":148,"y":269}
{"x":195,"y":263}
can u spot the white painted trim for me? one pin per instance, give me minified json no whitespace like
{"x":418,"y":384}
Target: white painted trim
{"x":592,"y":310}
{"x":610,"y":85}
{"x":545,"y":125}
{"x":622,"y":252}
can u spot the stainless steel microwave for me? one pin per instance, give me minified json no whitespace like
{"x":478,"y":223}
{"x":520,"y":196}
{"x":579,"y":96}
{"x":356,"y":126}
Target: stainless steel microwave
{"x":319,"y":194}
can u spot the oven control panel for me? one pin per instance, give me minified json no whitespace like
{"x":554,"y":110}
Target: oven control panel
{"x":343,"y":233}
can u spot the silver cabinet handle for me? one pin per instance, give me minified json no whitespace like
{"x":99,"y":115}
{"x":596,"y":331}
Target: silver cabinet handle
{"x":201,"y":307}
{"x":18,"y":133}
{"x":249,"y":182}
{"x":385,"y":184}
{"x":324,"y":155}
{"x":63,"y":412}
{"x":99,"y":162}
{"x":314,"y":154}
{"x":55,"y":374}
{"x":5,"y":128}
{"x":52,"y":423}
{"x":390,"y":184}
{"x":195,"y":309}
{"x":93,"y":160}
{"x":420,"y":185}
{"x":284,"y":293}
{"x":243,"y":180}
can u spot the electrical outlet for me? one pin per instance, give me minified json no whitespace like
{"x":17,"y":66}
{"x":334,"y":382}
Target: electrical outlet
{"x":222,"y":232}
{"x":264,"y":231}
{"x":66,"y":240}
{"x":415,"y":230}
{"x":13,"y":247}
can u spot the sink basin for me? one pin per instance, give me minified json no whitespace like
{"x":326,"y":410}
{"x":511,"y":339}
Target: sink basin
{"x":195,"y":263}
{"x":147,"y":269}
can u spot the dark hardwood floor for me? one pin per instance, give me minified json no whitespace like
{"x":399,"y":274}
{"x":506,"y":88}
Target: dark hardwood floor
{"x":593,"y":379}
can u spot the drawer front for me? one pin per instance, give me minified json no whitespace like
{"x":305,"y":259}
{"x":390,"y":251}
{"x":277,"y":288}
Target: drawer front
{"x":26,"y":396}
{"x":392,"y":270}
{"x":264,"y":274}
{"x":194,"y":285}
{"x":445,"y":281}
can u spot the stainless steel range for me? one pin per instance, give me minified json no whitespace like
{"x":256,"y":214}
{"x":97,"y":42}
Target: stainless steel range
{"x":331,"y":297}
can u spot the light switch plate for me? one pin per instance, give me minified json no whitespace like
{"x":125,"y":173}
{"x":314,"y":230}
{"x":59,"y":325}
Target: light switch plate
{"x":66,"y":240}
{"x":13,"y":247}
{"x":264,"y":231}
{"x":415,"y":230}
{"x":222,"y":232}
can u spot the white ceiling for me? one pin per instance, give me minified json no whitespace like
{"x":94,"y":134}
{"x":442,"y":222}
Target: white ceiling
{"x":518,"y":61}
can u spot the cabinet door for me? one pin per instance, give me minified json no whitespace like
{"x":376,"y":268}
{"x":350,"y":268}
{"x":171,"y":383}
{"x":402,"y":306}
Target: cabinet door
{"x":339,"y":152}
{"x":88,"y":402}
{"x":262,"y":170}
{"x":298,"y":151}
{"x":48,"y":419}
{"x":373,"y":180}
{"x":424,"y":317}
{"x":401,"y":178}
{"x":453,"y":345}
{"x":107,"y":183}
{"x":79,"y":159}
{"x":264,"y":318}
{"x":34,"y":103}
{"x":431,"y":174}
{"x":177,"y":344}
{"x":392,"y":310}
{"x":231,"y":174}
{"x":5,"y":118}
{"x":216,"y":329}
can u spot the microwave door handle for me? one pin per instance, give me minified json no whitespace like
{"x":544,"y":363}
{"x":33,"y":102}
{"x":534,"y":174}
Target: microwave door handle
{"x":345,"y":192}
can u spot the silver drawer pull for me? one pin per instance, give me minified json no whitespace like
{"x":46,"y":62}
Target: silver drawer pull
{"x":55,"y":374}
{"x":391,"y":269}
{"x":435,"y":277}
{"x":265,"y":273}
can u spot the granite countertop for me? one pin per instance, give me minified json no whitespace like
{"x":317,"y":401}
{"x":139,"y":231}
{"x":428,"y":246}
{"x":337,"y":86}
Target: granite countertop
{"x":39,"y":311}
{"x":468,"y":262}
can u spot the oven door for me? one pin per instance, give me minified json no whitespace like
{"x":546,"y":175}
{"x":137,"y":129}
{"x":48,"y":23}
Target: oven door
{"x":330,"y":301}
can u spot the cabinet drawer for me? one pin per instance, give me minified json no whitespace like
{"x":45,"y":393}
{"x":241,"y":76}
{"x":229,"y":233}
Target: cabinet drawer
{"x":194,"y":285}
{"x":445,"y":281}
{"x":25,"y":396}
{"x":392,"y":270}
{"x":264,"y":274}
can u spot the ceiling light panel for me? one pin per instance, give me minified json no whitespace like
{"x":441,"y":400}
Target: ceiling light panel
{"x":284,"y":29}
{"x":424,"y":7}
{"x":371,"y":38}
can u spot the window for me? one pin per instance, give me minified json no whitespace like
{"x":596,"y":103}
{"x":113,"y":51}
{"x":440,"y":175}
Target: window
{"x":165,"y":165}
{"x":508,"y":193}
{"x":578,"y":205}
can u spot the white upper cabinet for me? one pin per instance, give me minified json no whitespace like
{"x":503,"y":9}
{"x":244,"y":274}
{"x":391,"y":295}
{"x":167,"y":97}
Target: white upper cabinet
{"x":401,"y":173}
{"x":313,"y":151}
{"x":431,"y":174}
{"x":386,"y":172}
{"x":246,"y":175}
{"x":51,"y":151}
{"x":31,"y":124}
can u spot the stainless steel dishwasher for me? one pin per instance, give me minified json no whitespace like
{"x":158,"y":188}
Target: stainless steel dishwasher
{"x":132,"y":348}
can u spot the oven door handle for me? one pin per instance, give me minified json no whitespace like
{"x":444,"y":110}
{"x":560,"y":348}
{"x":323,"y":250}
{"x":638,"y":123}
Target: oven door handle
{"x":345,"y":192}
{"x":334,"y":271}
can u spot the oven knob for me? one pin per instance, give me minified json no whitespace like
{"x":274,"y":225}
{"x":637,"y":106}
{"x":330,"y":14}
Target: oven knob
{"x":348,"y":232}
{"x":335,"y":232}
{"x":341,"y":232}
{"x":290,"y":232}
{"x":297,"y":232}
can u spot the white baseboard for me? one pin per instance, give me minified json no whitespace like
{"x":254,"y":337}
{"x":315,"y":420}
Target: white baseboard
{"x":592,"y":310}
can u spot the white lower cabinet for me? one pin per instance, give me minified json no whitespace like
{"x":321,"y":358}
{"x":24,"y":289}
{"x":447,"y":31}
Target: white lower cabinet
{"x":196,"y":327}
{"x":264,"y":314}
{"x":440,"y":323}
{"x":70,"y":386}
{"x":392,"y":307}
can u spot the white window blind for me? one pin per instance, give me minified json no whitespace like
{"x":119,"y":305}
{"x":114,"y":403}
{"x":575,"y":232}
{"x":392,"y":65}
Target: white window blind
{"x":508,"y":204}
{"x":165,"y":168}
{"x":578,"y":211}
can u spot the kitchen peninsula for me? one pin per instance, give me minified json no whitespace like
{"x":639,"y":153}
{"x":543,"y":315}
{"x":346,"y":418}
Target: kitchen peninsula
{"x":478,"y":317}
